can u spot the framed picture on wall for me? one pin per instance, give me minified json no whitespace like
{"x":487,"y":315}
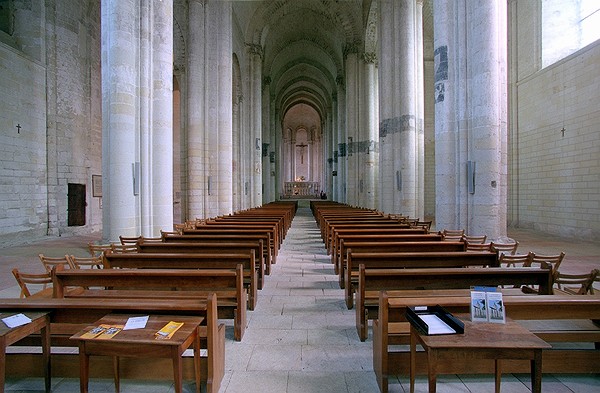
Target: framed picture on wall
{"x":97,"y":186}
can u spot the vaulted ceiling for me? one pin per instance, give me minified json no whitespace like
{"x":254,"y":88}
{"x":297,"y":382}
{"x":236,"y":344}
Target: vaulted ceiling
{"x":304,"y":42}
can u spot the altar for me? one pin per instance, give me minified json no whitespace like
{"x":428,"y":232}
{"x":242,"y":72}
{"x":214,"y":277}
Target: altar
{"x":303,"y":189}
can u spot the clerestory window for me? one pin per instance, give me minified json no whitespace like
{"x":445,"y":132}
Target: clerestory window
{"x":567,"y":26}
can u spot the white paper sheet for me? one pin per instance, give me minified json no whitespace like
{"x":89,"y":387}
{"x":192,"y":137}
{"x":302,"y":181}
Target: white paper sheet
{"x":16,"y":320}
{"x":136,"y":323}
{"x":436,"y":325}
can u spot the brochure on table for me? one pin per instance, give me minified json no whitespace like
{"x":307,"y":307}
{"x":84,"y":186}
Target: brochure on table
{"x":487,"y":305}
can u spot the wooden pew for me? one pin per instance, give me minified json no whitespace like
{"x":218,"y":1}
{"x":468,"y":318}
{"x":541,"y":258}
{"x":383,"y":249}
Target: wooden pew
{"x":253,"y":222}
{"x":210,"y":248}
{"x":375,"y":236}
{"x":69,"y":315}
{"x":413,"y":260}
{"x":224,"y":239}
{"x":342,"y":232}
{"x":358,"y":227}
{"x":235,"y":233}
{"x":404,"y":245}
{"x":240,"y":228}
{"x":559,"y":319}
{"x":204,"y":260}
{"x":227,"y":284}
{"x":372,"y":281}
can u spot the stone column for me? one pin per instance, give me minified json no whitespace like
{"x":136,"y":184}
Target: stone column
{"x":369,"y":153}
{"x":332,"y":150}
{"x":268,"y":138}
{"x":137,"y":117}
{"x":353,"y":109}
{"x":210,"y":109}
{"x":255,"y":57}
{"x":196,"y":182}
{"x":119,"y":85}
{"x":161,"y":120}
{"x":399,"y":116}
{"x":342,"y":143}
{"x":470,"y":116}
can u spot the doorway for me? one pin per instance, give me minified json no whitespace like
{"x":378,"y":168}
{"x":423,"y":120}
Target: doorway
{"x":76,"y":205}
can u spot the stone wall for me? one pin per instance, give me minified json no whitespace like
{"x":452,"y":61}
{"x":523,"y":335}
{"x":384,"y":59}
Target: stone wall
{"x":56,"y":99}
{"x":557,"y":187}
{"x":23,"y":205}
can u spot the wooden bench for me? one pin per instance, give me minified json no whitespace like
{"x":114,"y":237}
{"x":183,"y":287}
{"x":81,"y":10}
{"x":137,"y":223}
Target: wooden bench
{"x":557,"y":319}
{"x":372,"y":281}
{"x":274,"y":239}
{"x":378,"y":236}
{"x":413,"y":260}
{"x":70,"y":315}
{"x":224,"y":239}
{"x":174,"y":284}
{"x":359,"y":228}
{"x":403,"y":245}
{"x":276,"y":223}
{"x":339,"y":233}
{"x":205,"y":260}
{"x":210,"y":248}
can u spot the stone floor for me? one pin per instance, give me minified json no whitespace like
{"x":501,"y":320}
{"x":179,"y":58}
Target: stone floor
{"x":301,"y":337}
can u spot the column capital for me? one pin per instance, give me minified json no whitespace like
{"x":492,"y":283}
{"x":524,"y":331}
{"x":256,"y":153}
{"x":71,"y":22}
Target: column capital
{"x":370,"y":57}
{"x":255,"y":49}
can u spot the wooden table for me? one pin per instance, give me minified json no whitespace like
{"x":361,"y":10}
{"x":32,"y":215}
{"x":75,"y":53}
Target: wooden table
{"x":40,"y":321}
{"x":141,"y":343}
{"x":480,"y":341}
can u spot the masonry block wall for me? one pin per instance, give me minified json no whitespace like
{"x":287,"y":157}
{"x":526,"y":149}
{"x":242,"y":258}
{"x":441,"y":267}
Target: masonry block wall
{"x":23,"y":204}
{"x":53,"y":94}
{"x":556,"y":173}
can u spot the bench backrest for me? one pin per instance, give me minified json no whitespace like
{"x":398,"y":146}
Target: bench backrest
{"x":452,"y":278}
{"x":155,"y":280}
{"x":398,"y":246}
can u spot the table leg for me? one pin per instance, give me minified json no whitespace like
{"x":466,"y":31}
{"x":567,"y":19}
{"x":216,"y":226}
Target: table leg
{"x":536,"y":371}
{"x":432,"y":369}
{"x":497,"y":375}
{"x":45,"y":333}
{"x":84,"y":368}
{"x":413,"y":361}
{"x":117,"y":373}
{"x":177,"y":369}
{"x":197,"y":371}
{"x":2,"y":362}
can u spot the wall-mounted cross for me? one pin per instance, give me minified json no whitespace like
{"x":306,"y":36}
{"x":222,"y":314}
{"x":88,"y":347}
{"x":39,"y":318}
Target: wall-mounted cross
{"x":302,"y":146}
{"x":18,"y":128}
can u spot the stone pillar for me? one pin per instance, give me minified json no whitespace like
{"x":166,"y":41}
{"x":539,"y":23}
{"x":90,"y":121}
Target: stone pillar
{"x":342,"y":143}
{"x":255,"y":57}
{"x":332,"y":150}
{"x":353,"y":109}
{"x":196,"y":182}
{"x":398,"y":109}
{"x":160,"y":159}
{"x":210,"y":109}
{"x":370,"y":126}
{"x":137,"y":127}
{"x":470,"y":116}
{"x":268,"y":138}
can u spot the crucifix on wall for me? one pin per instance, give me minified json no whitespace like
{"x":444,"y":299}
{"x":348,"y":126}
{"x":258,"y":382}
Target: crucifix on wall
{"x":302,"y":146}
